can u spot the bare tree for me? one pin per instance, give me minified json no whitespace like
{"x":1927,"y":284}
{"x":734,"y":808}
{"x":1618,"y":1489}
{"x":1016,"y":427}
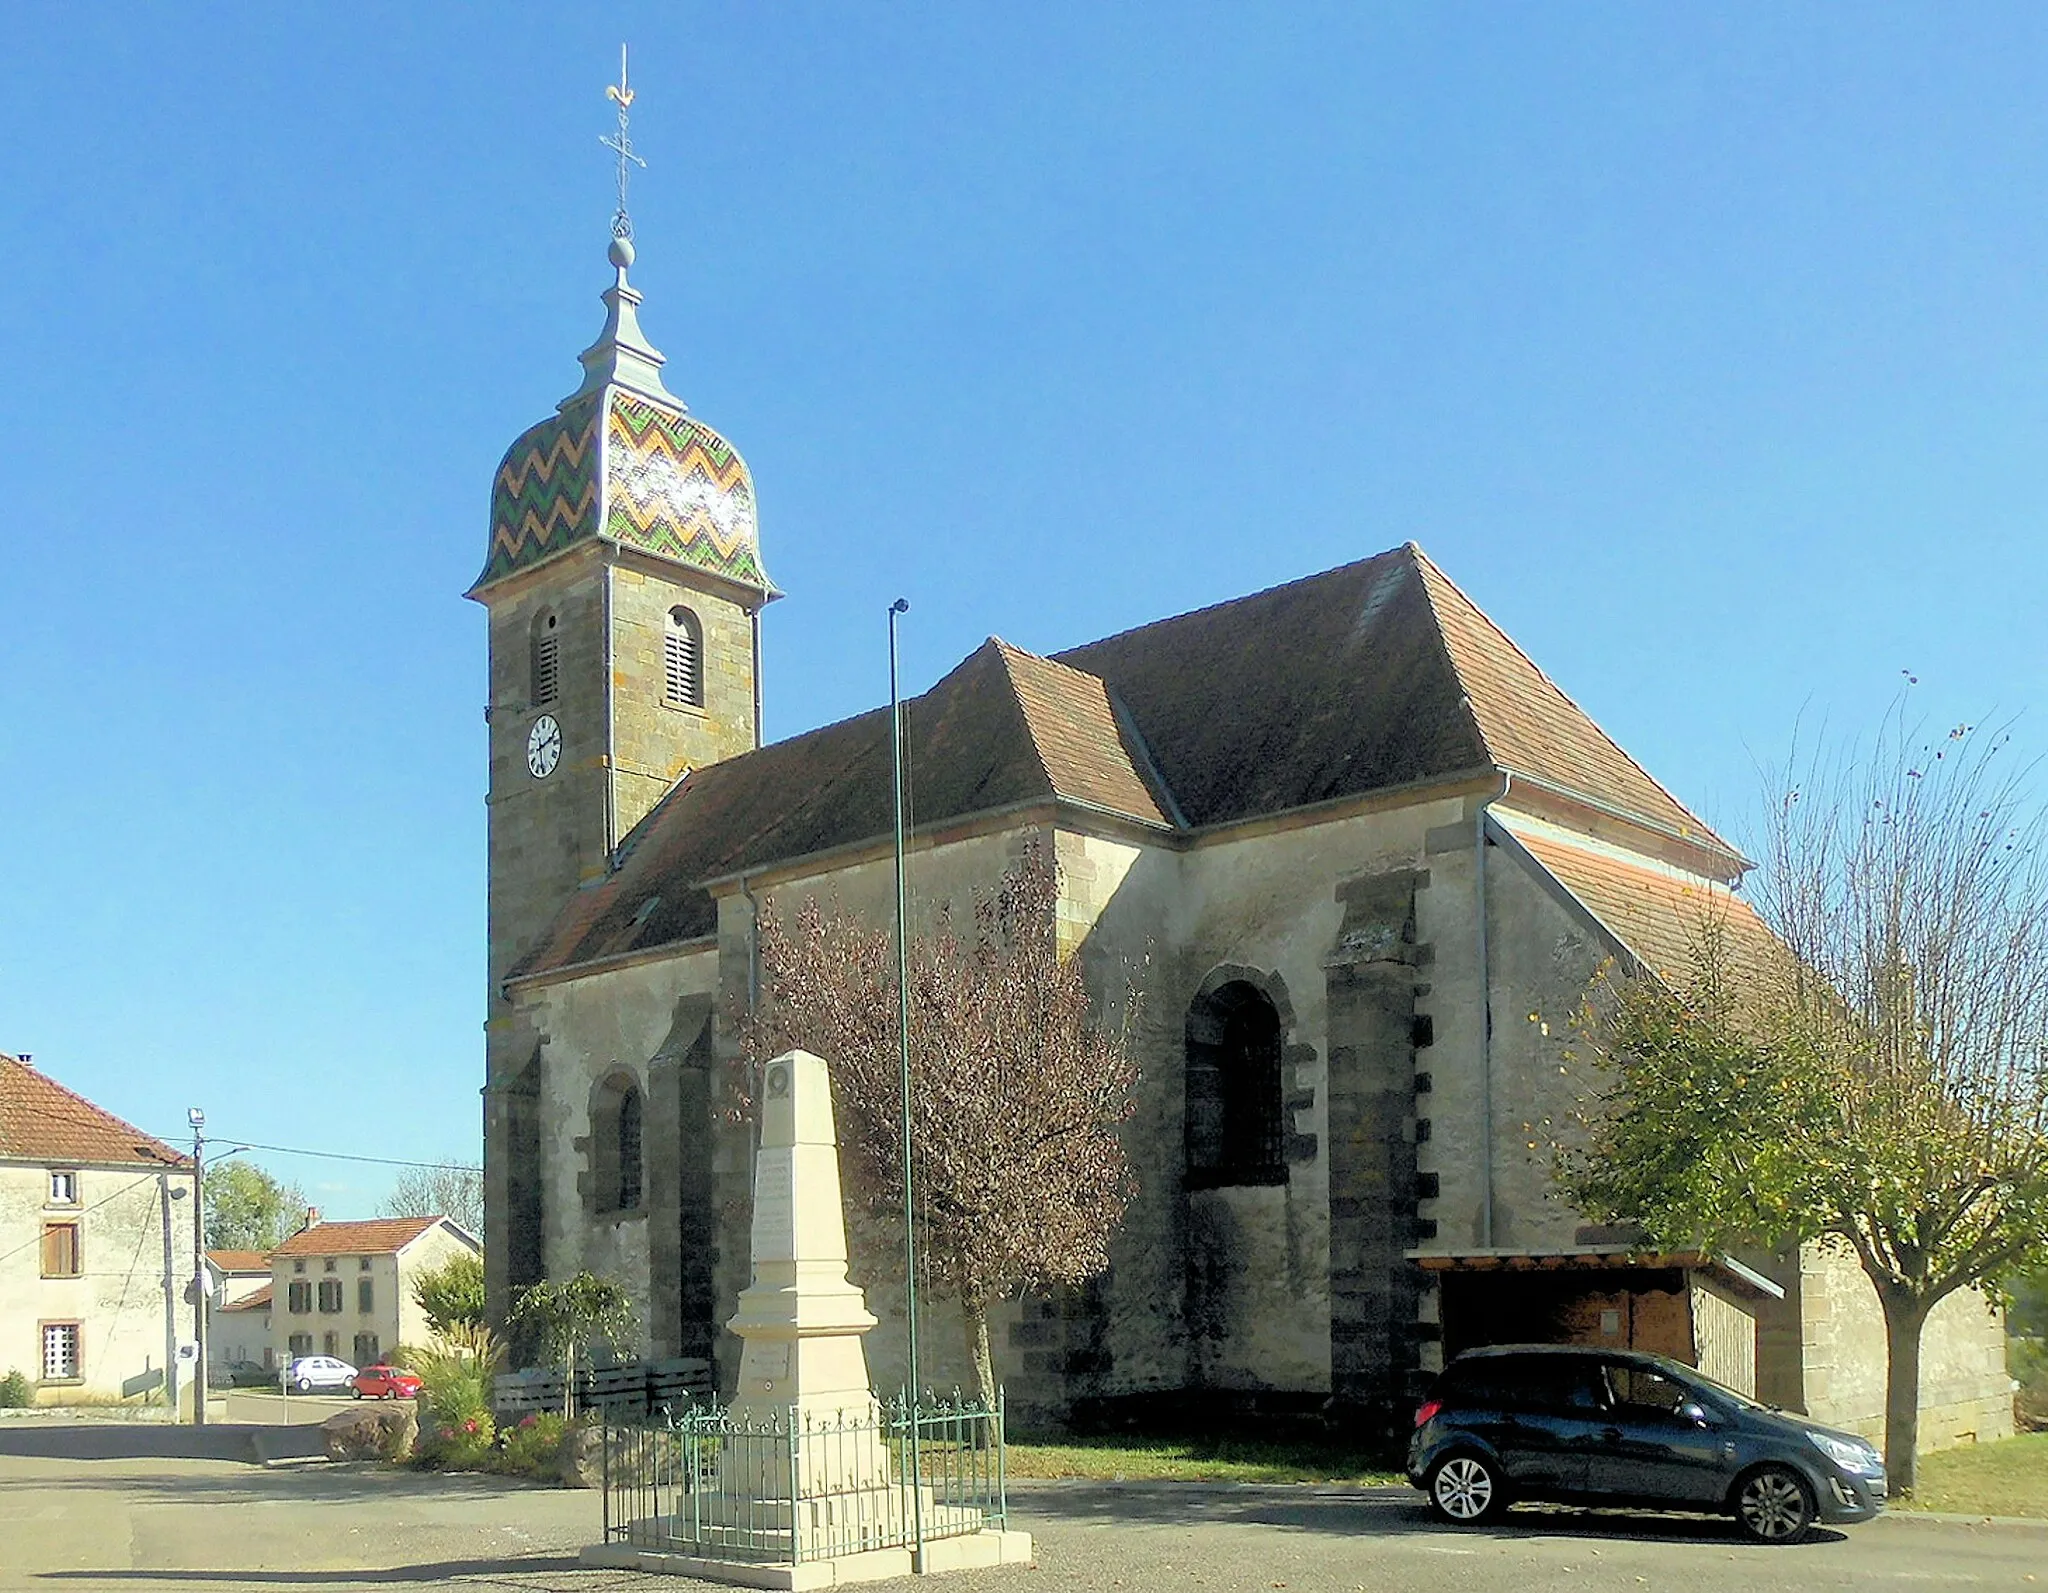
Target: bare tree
{"x":448,"y":1189}
{"x":1883,"y":1083}
{"x":1016,"y":1089}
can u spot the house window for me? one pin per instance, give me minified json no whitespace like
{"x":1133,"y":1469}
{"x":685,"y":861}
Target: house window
{"x":330,"y":1344}
{"x":330,"y":1264}
{"x":629,"y":1151}
{"x":298,"y":1298}
{"x":298,"y":1266}
{"x":330,"y":1296}
{"x":366,"y":1296}
{"x":682,"y":658}
{"x":63,"y":1357}
{"x":63,"y":1188}
{"x":547,"y":660}
{"x":299,"y":1344}
{"x":60,"y":1250}
{"x":1236,"y":1123}
{"x":363,"y":1265}
{"x":366,"y":1349}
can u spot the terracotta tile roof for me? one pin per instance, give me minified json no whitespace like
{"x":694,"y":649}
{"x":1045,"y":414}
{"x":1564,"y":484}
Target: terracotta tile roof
{"x":378,"y":1236}
{"x":1373,"y":676}
{"x":1004,"y":727}
{"x":1659,"y":918}
{"x":42,"y":1121}
{"x":240,"y":1260}
{"x":1088,"y":751}
{"x":1327,"y":687}
{"x":255,"y":1300}
{"x":1531,"y":727}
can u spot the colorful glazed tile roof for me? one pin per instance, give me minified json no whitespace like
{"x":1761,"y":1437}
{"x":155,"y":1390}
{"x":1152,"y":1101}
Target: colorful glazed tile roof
{"x":655,"y":480}
{"x":41,"y":1121}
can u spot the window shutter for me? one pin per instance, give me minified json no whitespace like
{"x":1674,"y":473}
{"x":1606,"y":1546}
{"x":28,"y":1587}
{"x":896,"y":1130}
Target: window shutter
{"x":60,"y":1250}
{"x":683,"y":660}
{"x":547,"y":668}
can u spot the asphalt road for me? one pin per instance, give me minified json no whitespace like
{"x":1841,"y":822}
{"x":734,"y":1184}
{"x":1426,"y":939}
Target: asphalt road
{"x":198,"y":1525}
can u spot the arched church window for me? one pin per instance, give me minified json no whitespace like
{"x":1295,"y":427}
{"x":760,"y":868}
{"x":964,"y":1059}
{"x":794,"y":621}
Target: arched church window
{"x":1235,"y":1123}
{"x":682,"y":657}
{"x":616,"y":1180}
{"x":629,"y":1151}
{"x":547,"y":659}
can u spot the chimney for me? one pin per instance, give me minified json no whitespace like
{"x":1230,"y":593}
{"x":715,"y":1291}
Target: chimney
{"x":312,"y":1219}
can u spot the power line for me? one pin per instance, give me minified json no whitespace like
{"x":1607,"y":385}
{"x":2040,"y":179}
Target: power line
{"x":346,"y":1156}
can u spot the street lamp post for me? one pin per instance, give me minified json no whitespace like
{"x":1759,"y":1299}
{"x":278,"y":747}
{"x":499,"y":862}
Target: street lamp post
{"x":197,"y":1119}
{"x":896,"y":609}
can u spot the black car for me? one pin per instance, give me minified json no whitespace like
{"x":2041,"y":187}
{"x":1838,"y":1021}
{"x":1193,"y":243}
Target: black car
{"x":1587,"y":1426}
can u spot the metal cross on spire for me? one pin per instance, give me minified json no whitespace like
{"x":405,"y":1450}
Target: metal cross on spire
{"x":621,"y":144}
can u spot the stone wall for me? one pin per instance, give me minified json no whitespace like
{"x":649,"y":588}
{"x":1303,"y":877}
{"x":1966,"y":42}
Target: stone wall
{"x":1965,"y":1390}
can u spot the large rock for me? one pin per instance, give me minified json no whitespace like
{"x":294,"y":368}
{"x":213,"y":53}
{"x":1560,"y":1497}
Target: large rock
{"x":370,"y":1432}
{"x":579,"y":1463}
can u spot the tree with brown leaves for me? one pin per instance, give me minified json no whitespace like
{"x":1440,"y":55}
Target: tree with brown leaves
{"x":1016,"y":1089}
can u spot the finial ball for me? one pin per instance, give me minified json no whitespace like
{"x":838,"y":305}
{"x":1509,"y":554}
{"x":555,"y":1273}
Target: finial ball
{"x":620,"y":253}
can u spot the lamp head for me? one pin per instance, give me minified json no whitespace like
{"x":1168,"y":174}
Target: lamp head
{"x":195,"y":1117}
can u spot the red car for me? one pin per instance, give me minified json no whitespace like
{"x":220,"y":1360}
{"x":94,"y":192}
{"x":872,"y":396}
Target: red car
{"x":386,"y":1382}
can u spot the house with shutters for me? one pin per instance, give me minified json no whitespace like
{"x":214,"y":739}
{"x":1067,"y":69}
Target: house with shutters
{"x":96,"y":1259}
{"x":345,"y":1288}
{"x":1351,"y":842}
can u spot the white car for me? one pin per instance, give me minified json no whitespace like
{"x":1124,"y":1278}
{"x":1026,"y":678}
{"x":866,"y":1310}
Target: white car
{"x":309,"y":1372}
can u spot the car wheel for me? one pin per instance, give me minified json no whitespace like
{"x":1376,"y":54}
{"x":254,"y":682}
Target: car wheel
{"x":355,"y":1391}
{"x":1465,"y":1490}
{"x":1773,"y":1505}
{"x":305,"y":1385}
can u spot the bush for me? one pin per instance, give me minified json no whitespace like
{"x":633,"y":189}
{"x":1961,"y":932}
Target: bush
{"x":529,"y":1449}
{"x":15,"y":1394}
{"x":464,"y":1444}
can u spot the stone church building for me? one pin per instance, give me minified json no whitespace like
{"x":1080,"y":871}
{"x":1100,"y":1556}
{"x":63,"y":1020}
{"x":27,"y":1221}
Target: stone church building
{"x":1352,"y":835}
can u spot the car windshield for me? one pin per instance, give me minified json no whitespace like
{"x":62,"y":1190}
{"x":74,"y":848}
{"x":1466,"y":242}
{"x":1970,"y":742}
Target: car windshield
{"x":1694,"y":1376}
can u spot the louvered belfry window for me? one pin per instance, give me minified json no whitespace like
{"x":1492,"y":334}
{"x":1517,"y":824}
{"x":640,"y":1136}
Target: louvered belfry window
{"x":683,"y":660}
{"x":547,"y":660}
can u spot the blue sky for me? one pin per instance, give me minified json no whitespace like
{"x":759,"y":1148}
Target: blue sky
{"x":1708,"y":351}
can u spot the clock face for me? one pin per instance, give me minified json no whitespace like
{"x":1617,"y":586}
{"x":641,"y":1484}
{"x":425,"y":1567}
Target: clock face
{"x":543,"y":747}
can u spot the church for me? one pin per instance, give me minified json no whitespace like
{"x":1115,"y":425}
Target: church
{"x":1361,"y":853}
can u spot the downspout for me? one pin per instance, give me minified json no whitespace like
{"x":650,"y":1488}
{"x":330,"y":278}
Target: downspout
{"x":1485,"y":1017}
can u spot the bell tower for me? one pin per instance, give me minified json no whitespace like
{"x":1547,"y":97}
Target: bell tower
{"x":624,"y":588}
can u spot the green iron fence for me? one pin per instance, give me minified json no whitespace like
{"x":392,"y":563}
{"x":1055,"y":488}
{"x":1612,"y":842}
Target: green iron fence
{"x":788,"y":1487}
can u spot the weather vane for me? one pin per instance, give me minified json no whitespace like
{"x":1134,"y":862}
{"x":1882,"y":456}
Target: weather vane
{"x":621,"y":144}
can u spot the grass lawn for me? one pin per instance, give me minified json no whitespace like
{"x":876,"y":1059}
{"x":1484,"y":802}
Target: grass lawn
{"x":2007,"y":1478}
{"x":1196,"y":1460}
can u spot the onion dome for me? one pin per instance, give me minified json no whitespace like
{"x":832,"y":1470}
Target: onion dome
{"x":622,"y":460}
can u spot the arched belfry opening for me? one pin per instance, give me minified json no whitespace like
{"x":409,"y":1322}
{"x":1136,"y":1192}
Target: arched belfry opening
{"x":1235,"y":1125}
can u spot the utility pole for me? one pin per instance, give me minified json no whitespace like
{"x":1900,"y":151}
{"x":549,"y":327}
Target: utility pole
{"x":163,"y":1190}
{"x":197,"y":1119}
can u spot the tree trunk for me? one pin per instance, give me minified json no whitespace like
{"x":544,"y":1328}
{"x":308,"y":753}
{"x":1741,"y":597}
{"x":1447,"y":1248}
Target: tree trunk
{"x":1905,"y":1314}
{"x":569,"y":1385}
{"x":975,"y":1318}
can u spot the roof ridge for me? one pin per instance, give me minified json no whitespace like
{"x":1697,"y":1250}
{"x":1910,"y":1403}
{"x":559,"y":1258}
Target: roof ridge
{"x":1424,"y":567}
{"x":1700,"y":830}
{"x":1008,"y":655}
{"x":1223,"y":603}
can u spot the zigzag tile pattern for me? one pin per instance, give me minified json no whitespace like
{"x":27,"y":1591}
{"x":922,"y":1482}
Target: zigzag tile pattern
{"x":545,"y":494}
{"x":679,"y":490}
